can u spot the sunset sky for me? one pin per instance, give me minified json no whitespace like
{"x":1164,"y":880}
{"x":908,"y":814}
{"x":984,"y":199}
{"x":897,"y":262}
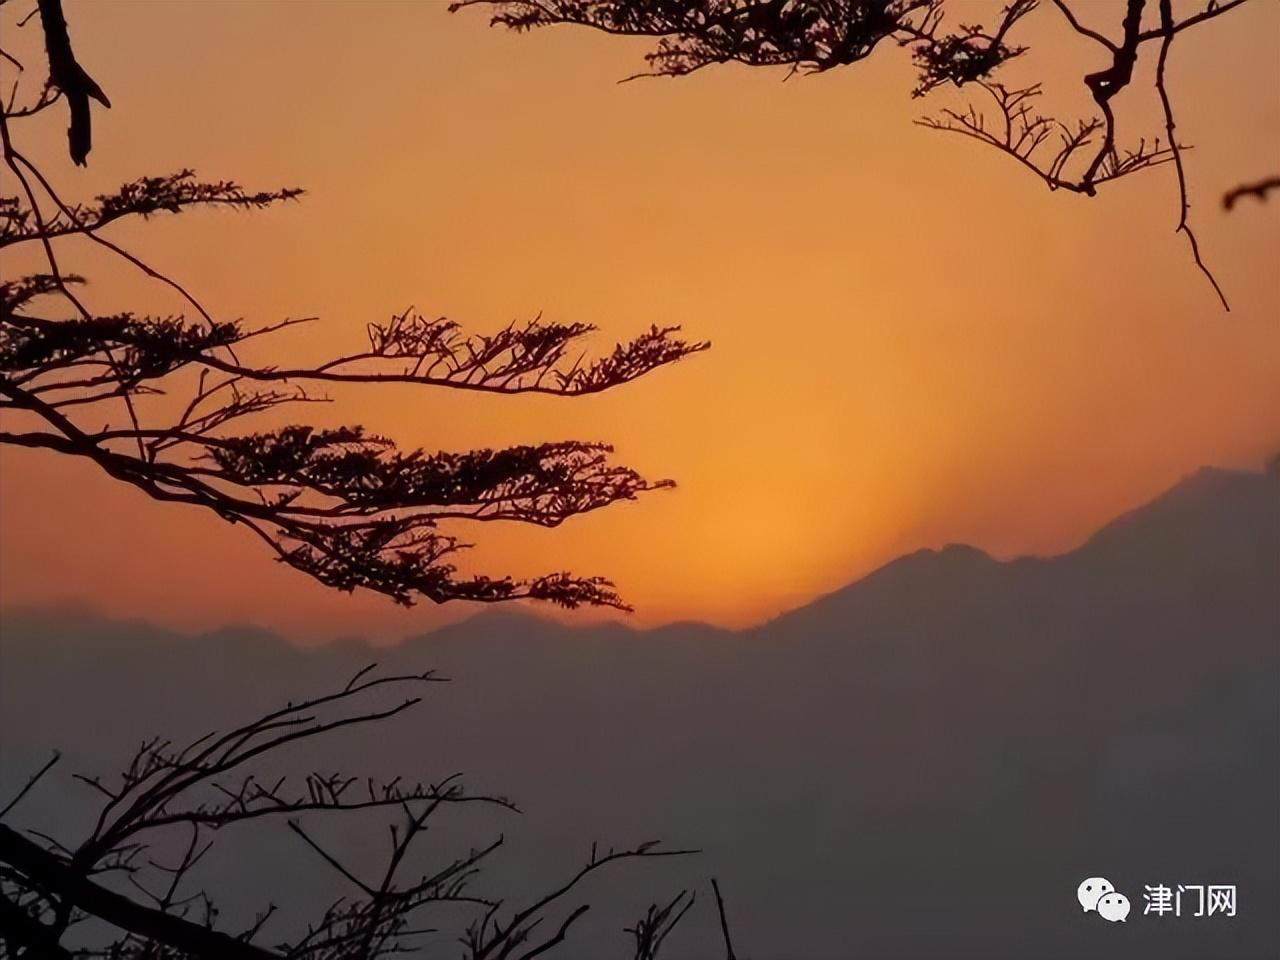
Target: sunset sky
{"x":914,"y":341}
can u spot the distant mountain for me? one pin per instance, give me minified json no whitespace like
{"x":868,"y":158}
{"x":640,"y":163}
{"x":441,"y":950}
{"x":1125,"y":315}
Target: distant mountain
{"x":922,"y":764}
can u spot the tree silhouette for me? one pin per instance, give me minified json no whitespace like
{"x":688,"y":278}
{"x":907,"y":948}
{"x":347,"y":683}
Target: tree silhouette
{"x":135,"y":873}
{"x":345,"y":506}
{"x":814,"y":36}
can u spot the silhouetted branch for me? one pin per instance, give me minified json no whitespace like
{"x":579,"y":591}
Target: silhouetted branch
{"x":1021,"y":132}
{"x":345,"y":507}
{"x":813,"y":36}
{"x":43,"y":891}
{"x":144,"y":197}
{"x":724,"y":922}
{"x":490,"y":937}
{"x":1168,"y":25}
{"x":692,"y":34}
{"x":23,"y":935}
{"x":652,"y":929}
{"x":75,"y":889}
{"x":68,"y":76}
{"x":31,"y":782}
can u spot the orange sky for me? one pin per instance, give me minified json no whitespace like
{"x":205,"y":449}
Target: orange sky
{"x":914,"y":341}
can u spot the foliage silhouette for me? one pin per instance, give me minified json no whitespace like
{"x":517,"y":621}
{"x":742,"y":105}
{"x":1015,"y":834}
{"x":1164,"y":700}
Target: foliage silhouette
{"x":345,"y":506}
{"x":814,"y":36}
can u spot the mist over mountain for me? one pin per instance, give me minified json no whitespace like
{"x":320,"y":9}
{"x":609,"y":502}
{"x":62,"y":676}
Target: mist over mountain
{"x":922,"y":764}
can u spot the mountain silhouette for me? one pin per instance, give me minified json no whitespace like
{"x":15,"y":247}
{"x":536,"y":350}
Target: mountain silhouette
{"x":922,"y":764}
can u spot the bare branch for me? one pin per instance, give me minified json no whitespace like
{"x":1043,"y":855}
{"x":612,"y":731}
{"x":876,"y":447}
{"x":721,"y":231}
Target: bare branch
{"x":652,"y":929}
{"x":31,"y":782}
{"x":724,"y":923}
{"x":1184,"y":206}
{"x":67,"y":75}
{"x":160,"y":788}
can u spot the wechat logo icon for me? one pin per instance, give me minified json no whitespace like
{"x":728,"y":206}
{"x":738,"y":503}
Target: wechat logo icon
{"x":1098,"y":895}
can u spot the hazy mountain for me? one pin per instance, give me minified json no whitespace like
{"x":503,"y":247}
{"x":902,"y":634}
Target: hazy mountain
{"x":924,"y":763}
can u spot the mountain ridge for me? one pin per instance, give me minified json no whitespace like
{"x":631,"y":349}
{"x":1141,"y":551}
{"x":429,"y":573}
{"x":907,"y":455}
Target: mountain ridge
{"x":953,"y":737}
{"x":1205,"y":483}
